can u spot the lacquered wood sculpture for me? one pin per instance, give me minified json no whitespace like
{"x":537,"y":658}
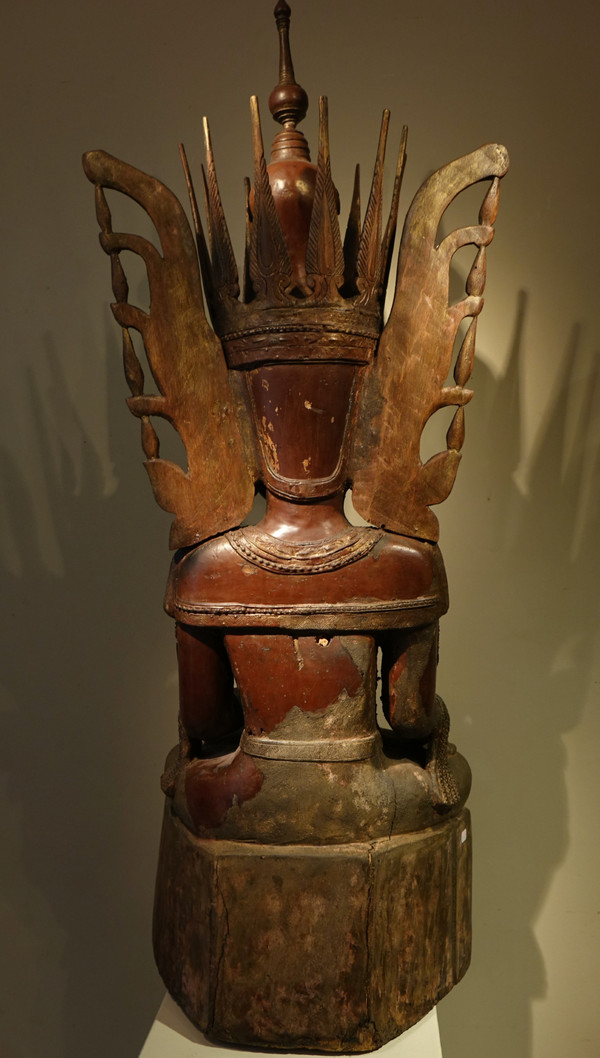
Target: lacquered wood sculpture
{"x":314,"y":879}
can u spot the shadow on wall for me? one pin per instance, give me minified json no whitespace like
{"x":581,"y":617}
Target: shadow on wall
{"x":524,"y":623}
{"x":86,"y":721}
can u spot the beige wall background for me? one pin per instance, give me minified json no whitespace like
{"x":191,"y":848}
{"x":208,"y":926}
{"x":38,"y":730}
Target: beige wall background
{"x":88,"y":671}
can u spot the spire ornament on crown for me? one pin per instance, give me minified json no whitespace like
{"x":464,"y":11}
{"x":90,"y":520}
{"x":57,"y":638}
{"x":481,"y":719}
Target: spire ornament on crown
{"x":288,"y":101}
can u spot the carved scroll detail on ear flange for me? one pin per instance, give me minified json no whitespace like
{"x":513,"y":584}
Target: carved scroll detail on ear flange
{"x":195,"y":392}
{"x":405,"y":385}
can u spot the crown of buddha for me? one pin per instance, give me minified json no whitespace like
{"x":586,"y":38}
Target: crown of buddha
{"x":299,"y":278}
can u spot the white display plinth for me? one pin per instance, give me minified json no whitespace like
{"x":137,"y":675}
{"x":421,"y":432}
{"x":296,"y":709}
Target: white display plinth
{"x":173,"y":1036}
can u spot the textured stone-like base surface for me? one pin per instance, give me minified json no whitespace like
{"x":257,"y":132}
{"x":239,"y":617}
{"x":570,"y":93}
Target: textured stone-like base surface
{"x":334,"y":948}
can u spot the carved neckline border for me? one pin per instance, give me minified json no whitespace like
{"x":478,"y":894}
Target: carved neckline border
{"x":319,"y":556}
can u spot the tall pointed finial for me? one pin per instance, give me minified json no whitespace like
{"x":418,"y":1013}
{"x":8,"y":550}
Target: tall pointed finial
{"x":288,"y":101}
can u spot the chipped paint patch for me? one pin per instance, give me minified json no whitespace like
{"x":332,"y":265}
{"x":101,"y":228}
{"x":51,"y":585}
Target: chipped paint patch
{"x":298,"y":654}
{"x":214,"y":786}
{"x":272,"y":690}
{"x":269,"y":443}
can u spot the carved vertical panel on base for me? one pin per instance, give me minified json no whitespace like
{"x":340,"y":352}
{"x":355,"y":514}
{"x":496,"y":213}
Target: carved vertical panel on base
{"x":337,"y":947}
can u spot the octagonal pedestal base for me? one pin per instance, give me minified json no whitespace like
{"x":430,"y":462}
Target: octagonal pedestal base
{"x":331,"y":948}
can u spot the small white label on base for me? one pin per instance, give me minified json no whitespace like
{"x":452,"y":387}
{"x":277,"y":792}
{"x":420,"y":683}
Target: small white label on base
{"x":463,"y":837}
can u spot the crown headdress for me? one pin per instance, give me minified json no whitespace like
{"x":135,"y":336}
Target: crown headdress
{"x":298,"y":275}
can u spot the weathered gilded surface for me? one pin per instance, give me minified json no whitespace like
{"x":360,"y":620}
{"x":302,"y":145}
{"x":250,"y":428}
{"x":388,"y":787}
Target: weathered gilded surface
{"x":313,"y":887}
{"x":195,"y":394}
{"x":405,"y":385}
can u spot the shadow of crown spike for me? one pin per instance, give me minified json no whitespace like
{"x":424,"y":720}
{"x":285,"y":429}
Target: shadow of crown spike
{"x":297,"y":274}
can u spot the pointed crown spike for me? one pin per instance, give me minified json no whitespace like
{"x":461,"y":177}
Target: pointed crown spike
{"x":370,"y":243}
{"x":225,"y":273}
{"x":387,"y":246}
{"x":352,"y":237}
{"x":268,"y":259}
{"x":203,"y":254}
{"x":324,"y":255}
